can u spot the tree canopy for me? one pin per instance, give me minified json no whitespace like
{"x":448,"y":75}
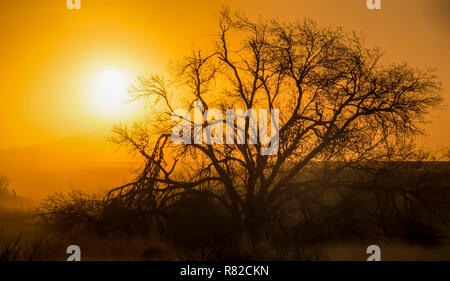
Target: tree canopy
{"x":339,"y":105}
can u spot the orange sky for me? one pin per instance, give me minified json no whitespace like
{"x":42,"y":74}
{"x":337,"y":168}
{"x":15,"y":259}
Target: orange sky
{"x":50,"y":56}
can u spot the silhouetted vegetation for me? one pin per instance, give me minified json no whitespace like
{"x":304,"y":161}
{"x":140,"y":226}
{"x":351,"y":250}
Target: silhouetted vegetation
{"x":346,"y":169}
{"x":382,"y":201}
{"x":6,"y":194}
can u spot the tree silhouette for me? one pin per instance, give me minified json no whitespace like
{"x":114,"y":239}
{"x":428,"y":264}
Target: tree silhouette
{"x":339,"y":106}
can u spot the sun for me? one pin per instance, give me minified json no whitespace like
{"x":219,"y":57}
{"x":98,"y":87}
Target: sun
{"x":110,"y":93}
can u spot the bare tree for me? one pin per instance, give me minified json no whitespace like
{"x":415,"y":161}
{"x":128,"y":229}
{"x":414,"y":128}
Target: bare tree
{"x":339,"y":106}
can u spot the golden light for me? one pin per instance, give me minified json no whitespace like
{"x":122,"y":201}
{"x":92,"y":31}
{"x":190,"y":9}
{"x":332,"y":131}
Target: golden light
{"x":109,"y":96}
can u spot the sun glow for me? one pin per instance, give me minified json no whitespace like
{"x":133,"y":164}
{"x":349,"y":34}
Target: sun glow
{"x":110,"y":93}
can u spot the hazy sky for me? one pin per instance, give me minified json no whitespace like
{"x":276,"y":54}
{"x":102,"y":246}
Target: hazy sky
{"x":51,"y":56}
